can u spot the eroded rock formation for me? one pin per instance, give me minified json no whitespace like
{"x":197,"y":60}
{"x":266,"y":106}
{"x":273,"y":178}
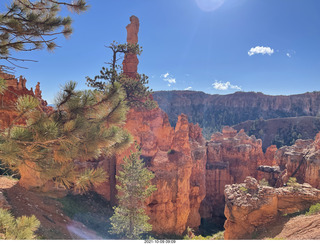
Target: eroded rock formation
{"x":15,"y":88}
{"x":130,"y":61}
{"x":231,"y":157}
{"x":177,"y":157}
{"x":250,"y":205}
{"x":301,"y":160}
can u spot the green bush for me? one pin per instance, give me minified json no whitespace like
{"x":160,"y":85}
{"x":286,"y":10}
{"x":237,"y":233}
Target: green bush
{"x":245,"y":190}
{"x":263,"y":182}
{"x":292,"y":182}
{"x":314,"y":209}
{"x":171,"y":151}
{"x":21,"y":228}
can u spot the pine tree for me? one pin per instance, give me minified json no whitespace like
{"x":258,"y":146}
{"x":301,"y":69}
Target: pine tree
{"x":138,"y":94}
{"x":129,"y":219}
{"x":29,"y":25}
{"x":22,"y":228}
{"x":84,"y":126}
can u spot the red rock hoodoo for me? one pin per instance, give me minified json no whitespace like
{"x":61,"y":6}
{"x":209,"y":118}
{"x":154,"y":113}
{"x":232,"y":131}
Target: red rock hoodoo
{"x":15,"y":88}
{"x":130,"y":62}
{"x":231,"y":157}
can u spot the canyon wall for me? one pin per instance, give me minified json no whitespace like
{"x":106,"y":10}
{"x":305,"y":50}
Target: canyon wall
{"x":177,"y":157}
{"x":281,"y":131}
{"x":212,"y":112}
{"x":231,"y":156}
{"x":301,"y":160}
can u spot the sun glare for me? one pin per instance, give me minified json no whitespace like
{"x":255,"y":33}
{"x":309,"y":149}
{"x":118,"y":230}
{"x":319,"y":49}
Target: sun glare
{"x":209,"y":5}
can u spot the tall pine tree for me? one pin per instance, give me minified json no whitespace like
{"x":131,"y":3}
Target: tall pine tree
{"x":129,"y":219}
{"x":137,"y":93}
{"x":84,"y":126}
{"x":29,"y":25}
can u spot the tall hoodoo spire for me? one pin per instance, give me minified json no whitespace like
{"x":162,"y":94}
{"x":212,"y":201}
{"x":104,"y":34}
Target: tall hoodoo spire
{"x":130,"y":62}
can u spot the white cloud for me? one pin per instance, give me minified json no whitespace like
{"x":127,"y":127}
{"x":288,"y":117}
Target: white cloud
{"x":165,"y":75}
{"x":260,"y":50}
{"x":219,"y":85}
{"x":288,"y":55}
{"x":171,"y":80}
{"x":188,"y":88}
{"x":168,"y":78}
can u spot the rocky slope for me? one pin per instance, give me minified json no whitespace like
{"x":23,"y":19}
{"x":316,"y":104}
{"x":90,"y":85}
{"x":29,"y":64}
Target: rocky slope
{"x":281,"y":131}
{"x":214,"y":111}
{"x":250,"y":206}
{"x":297,"y":228}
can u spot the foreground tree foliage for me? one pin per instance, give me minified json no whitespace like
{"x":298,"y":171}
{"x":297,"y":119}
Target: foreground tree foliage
{"x":22,"y":228}
{"x":137,"y":93}
{"x":129,"y":219}
{"x":84,"y":126}
{"x":29,"y":25}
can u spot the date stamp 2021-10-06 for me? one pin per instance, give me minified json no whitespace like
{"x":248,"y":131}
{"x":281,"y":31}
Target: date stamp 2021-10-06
{"x":159,"y":241}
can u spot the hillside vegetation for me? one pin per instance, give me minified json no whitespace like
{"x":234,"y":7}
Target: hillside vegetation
{"x":212,"y":112}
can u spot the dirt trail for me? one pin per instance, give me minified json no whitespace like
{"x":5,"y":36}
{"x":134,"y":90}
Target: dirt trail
{"x":7,"y":182}
{"x":55,"y":224}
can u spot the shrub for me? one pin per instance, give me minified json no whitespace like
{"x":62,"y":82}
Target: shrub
{"x":191,"y":236}
{"x":245,"y":190}
{"x":218,"y":236}
{"x":314,"y":209}
{"x":263,"y":182}
{"x":171,"y":151}
{"x":292,"y":182}
{"x":21,"y":228}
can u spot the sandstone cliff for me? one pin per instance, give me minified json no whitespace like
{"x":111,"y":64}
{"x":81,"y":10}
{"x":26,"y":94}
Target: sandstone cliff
{"x":301,"y":160}
{"x":231,"y":157}
{"x":212,"y":112}
{"x":250,"y":205}
{"x":177,"y":157}
{"x":281,"y":131}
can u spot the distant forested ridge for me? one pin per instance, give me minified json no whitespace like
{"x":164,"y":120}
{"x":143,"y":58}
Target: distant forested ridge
{"x":212,"y":112}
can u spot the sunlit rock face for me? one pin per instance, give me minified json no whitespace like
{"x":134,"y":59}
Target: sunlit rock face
{"x":250,"y":205}
{"x":177,"y":157}
{"x":130,"y":61}
{"x":231,"y":156}
{"x":301,"y":160}
{"x":16,"y":87}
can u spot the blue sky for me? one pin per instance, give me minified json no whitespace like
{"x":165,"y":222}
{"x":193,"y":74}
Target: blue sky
{"x":215,"y":46}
